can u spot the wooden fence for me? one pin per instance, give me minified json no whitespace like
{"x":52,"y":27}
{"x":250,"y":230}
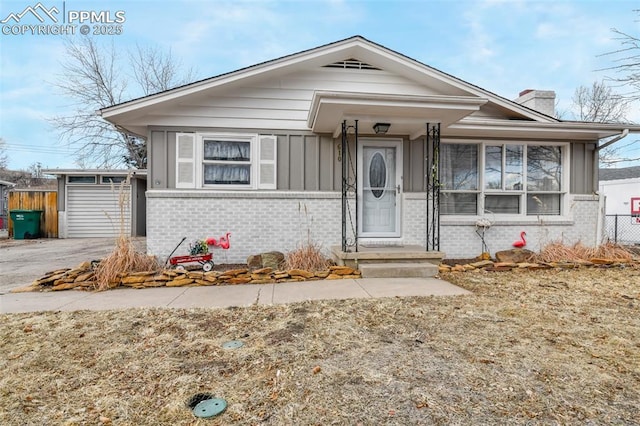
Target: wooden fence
{"x":47,"y":201}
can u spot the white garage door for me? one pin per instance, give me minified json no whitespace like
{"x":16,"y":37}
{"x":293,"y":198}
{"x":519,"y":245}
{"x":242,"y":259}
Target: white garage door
{"x":94,"y":211}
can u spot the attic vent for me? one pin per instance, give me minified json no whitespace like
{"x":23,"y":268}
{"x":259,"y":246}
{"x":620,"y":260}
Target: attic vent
{"x":352,"y":64}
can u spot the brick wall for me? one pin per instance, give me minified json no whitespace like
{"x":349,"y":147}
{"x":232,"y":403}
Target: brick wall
{"x":264,"y":221}
{"x":258,"y":221}
{"x":459,"y":238}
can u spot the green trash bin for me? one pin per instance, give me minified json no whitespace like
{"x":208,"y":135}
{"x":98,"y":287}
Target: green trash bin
{"x":26,"y":224}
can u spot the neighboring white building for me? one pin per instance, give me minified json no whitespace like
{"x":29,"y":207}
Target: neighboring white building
{"x":621,"y":191}
{"x":618,"y":187}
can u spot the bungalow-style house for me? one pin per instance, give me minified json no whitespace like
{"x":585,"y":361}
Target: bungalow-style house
{"x":357,"y":146}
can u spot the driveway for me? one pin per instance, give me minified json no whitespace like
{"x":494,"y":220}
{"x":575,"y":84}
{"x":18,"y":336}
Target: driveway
{"x":23,"y":261}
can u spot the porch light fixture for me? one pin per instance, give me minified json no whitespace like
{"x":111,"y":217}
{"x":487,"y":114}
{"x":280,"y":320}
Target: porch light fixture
{"x":381,"y":128}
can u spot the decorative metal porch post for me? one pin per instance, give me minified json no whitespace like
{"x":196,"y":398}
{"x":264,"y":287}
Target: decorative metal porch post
{"x":432,"y":186}
{"x":349,"y":188}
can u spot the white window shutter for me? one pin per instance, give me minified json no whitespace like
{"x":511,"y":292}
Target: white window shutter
{"x":185,"y":160}
{"x":267,"y":157}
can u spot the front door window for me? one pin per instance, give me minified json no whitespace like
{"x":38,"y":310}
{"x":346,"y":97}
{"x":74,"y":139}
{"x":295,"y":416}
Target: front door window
{"x":380,"y":208}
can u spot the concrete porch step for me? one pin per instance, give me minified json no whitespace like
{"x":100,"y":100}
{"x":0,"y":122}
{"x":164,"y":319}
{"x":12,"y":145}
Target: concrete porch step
{"x":398,"y":270}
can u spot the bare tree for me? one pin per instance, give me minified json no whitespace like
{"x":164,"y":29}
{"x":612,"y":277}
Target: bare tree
{"x":600,"y":104}
{"x":97,"y":76}
{"x":156,"y":71}
{"x":626,"y":62}
{"x":625,"y":74}
{"x":4,"y":158}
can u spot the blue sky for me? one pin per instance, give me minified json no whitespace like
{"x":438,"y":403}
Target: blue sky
{"x":504,"y":46}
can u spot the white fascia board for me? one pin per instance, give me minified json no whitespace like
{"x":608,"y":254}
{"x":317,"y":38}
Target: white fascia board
{"x":587,"y":130}
{"x":77,"y":172}
{"x":339,"y":102}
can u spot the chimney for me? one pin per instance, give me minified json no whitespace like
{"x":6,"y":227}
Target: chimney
{"x":543,"y":101}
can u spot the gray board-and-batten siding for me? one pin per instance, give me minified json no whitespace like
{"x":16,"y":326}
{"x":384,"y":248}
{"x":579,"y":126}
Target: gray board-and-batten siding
{"x":310,"y":162}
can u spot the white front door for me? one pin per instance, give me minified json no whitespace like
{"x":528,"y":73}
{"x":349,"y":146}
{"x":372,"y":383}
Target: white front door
{"x":379,"y":188}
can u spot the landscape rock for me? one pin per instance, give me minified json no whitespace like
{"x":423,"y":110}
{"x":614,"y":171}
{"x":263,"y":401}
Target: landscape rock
{"x":64,"y":286}
{"x":300,"y":273}
{"x":482,"y":264}
{"x":341,"y":270}
{"x":134,"y":279}
{"x":270,"y":259}
{"x":515,"y":255}
{"x":179,"y":282}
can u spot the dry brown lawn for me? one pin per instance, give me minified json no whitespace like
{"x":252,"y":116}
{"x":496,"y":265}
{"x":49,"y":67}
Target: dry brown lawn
{"x":530,"y":347}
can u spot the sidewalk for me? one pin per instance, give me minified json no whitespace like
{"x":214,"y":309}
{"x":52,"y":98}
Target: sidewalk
{"x":225,"y":296}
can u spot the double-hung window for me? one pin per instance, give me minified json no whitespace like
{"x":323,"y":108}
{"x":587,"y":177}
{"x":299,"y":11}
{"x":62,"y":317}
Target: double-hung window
{"x":544,"y":180}
{"x":225,"y":161}
{"x":503,"y":175}
{"x":516,"y":178}
{"x":459,"y":179}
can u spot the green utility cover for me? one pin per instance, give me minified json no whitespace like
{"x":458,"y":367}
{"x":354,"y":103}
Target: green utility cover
{"x":210,"y":407}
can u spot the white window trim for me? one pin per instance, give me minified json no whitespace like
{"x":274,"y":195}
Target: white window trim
{"x":263,"y":160}
{"x":481,"y":192}
{"x":237,"y":137}
{"x":95,"y":180}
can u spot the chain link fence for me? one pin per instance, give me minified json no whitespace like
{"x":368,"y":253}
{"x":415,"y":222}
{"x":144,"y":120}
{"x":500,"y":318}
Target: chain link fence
{"x":622,"y":228}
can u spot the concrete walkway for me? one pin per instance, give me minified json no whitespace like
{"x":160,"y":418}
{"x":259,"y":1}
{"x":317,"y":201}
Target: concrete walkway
{"x":225,"y":296}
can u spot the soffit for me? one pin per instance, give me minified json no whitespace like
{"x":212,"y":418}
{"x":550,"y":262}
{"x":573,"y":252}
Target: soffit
{"x":407,"y":115}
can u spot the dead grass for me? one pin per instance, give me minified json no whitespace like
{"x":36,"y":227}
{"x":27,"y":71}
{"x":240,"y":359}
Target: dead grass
{"x":528,"y":347}
{"x":559,"y":252}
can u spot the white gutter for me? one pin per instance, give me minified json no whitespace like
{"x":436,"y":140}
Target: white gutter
{"x":596,"y":158}
{"x":622,"y":135}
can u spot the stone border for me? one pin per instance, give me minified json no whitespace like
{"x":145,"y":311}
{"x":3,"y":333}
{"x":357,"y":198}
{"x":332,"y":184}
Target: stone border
{"x":491,"y":266}
{"x":82,"y":277}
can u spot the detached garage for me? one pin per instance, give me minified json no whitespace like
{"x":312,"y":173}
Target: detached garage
{"x":101,"y":203}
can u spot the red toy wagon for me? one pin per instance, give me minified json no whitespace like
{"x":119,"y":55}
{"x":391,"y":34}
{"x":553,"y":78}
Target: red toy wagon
{"x":204,"y":259}
{"x":199,"y":252}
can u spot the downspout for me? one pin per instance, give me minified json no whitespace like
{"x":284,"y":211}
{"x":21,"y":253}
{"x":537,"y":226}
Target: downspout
{"x":596,"y":183}
{"x":622,"y":135}
{"x":596,"y":157}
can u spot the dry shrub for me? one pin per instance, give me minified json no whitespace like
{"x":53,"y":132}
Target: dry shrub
{"x":123,"y":259}
{"x":559,"y":252}
{"x":308,"y":258}
{"x":613,"y":251}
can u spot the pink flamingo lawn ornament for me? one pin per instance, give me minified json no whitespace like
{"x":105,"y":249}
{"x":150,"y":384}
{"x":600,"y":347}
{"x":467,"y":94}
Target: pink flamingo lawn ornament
{"x":521,"y":242}
{"x":222,"y":242}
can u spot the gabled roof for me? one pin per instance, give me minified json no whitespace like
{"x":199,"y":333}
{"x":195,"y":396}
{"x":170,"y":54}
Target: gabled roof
{"x":622,"y":173}
{"x":353,"y":47}
{"x":519,"y":121}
